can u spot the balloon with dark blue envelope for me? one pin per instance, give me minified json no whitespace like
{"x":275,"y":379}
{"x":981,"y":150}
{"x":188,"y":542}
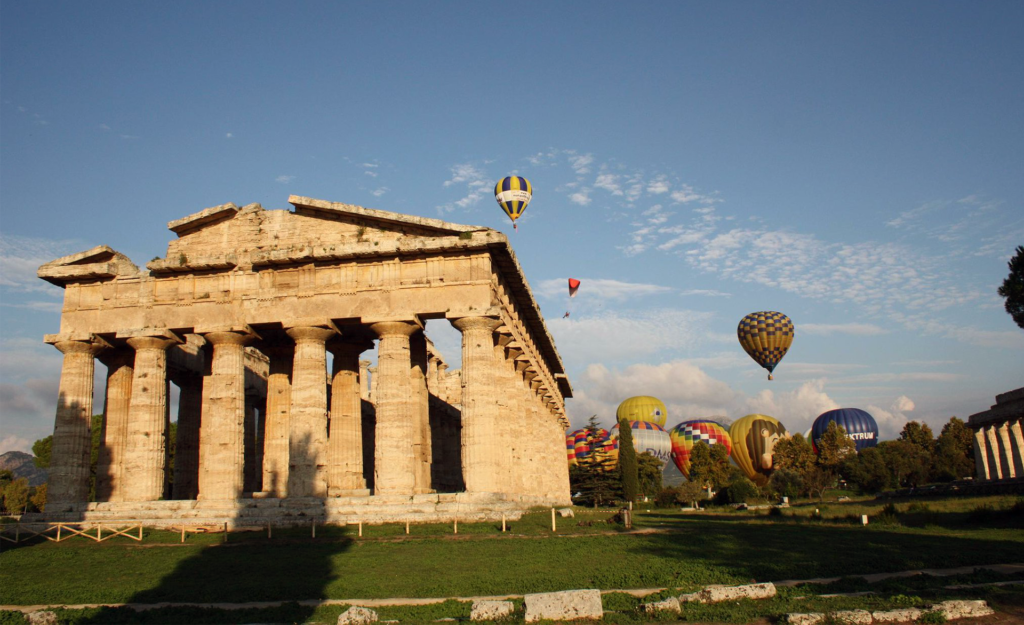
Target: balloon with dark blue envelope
{"x":859,"y":425}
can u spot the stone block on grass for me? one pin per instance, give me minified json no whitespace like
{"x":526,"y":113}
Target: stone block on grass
{"x":953,"y":610}
{"x":667,"y":605}
{"x":715,"y":594}
{"x":906,"y":615}
{"x":485,"y":610}
{"x":42,"y":617}
{"x":805,"y":619}
{"x":568,"y":605}
{"x":357,"y":616}
{"x":853,"y":617}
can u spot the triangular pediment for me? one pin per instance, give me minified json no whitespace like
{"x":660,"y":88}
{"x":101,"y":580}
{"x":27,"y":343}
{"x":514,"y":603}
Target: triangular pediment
{"x":100,"y":262}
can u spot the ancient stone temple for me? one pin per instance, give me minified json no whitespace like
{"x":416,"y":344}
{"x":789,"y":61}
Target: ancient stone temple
{"x":998,"y":439}
{"x":243,"y":316}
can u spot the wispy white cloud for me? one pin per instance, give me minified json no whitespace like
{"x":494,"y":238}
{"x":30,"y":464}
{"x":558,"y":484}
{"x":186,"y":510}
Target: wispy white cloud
{"x":581,"y":163}
{"x":581,"y":197}
{"x":379,"y":192}
{"x":229,"y":135}
{"x":856,"y":329}
{"x":477,"y":186}
{"x":658,"y":186}
{"x":706,"y":293}
{"x":20,"y":257}
{"x":629,"y":335}
{"x":285,"y":179}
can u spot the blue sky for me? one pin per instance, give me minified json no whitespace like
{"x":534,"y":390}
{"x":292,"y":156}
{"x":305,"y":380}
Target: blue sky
{"x":857,"y":166}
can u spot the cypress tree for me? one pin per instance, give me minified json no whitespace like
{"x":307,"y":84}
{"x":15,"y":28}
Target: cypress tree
{"x":628,"y":463}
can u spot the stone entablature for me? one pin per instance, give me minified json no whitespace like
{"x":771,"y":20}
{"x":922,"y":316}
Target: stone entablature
{"x":241,"y":315}
{"x":998,"y":438}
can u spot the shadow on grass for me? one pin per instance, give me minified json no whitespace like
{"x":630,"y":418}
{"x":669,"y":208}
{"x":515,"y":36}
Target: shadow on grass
{"x":247,"y":567}
{"x":789,"y":549}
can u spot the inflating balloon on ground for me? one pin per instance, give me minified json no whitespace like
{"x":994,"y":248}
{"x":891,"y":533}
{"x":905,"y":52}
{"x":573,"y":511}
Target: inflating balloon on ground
{"x":643,"y":408}
{"x":753,"y":443}
{"x":687,"y":434}
{"x":859,"y":425}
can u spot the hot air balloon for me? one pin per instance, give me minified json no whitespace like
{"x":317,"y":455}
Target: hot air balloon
{"x":574,"y":285}
{"x":570,"y":448}
{"x":859,"y":425}
{"x":513,"y":194}
{"x":598,"y":444}
{"x":766,"y":337}
{"x":687,"y":434}
{"x":648,"y":437}
{"x":642,"y":408}
{"x":753,"y":441}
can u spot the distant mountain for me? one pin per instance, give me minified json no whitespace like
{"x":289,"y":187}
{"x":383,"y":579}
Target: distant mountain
{"x":20,"y":464}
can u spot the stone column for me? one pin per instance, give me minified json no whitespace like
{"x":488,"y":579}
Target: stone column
{"x":442,"y":382}
{"x":249,"y":446}
{"x":279,"y":401}
{"x":307,"y":438}
{"x":364,"y":380}
{"x":372,"y":392}
{"x":1017,"y":444}
{"x":994,"y":460}
{"x":480,"y":452}
{"x":433,"y":385}
{"x":1006,"y":451}
{"x":110,"y":465}
{"x":186,"y":451}
{"x":145,"y":452}
{"x":420,"y":398}
{"x":72,"y":440}
{"x":222,"y":429}
{"x":395,"y":465}
{"x":345,"y":443}
{"x":981,"y":454}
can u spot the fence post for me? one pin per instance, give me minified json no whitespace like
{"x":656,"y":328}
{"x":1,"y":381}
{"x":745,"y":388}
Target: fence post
{"x":225,"y":531}
{"x":182,"y":532}
{"x":456,"y":525}
{"x":314,"y":528}
{"x":269,"y":533}
{"x":58,"y":532}
{"x":553,"y":526}
{"x":502,"y":522}
{"x":407,"y":527}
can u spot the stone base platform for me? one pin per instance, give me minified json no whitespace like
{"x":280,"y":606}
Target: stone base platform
{"x":377,"y":509}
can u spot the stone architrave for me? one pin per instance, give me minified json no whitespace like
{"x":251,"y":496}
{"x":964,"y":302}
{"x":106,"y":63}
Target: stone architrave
{"x":186,"y":451}
{"x":222,"y":428}
{"x":393,"y":466}
{"x":420,"y":398}
{"x":345,"y":444}
{"x":145,"y":453}
{"x":480,"y":454}
{"x":279,"y":401}
{"x":110,"y":464}
{"x":981,"y":454}
{"x":307,"y":438}
{"x":72,"y":440}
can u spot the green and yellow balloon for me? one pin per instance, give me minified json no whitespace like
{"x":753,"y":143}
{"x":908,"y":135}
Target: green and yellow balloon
{"x":766,"y":337}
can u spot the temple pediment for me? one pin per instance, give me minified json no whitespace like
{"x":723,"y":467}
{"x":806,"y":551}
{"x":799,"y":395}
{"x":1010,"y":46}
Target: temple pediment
{"x":98,"y":263}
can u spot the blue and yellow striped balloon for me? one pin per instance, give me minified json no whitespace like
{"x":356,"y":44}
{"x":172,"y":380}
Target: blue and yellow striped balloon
{"x":513,"y":194}
{"x":766,"y":337}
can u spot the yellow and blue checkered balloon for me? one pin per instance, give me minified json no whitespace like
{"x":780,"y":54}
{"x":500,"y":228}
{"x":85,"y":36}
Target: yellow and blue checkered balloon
{"x":513,"y":194}
{"x":766,"y":337}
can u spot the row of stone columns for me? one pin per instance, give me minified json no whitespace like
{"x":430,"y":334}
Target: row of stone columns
{"x":999,"y":451}
{"x":509,"y":434}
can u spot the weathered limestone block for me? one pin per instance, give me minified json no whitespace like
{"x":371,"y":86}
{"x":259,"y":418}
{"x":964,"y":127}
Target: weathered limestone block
{"x":853,"y":617}
{"x":714,"y":594}
{"x":567,"y":605}
{"x":566,"y":513}
{"x":356,"y":616}
{"x":666,"y":605}
{"x":345,"y":445}
{"x":42,"y":617}
{"x":484,"y":610}
{"x":420,"y":399}
{"x":906,"y":615}
{"x":279,"y":402}
{"x":805,"y":619}
{"x":953,"y":610}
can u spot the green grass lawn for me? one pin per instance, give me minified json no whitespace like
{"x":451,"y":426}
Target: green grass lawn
{"x":684,"y":551}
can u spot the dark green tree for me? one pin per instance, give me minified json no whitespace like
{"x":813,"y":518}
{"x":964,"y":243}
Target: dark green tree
{"x":16,"y":496}
{"x":868,"y":471}
{"x":1013,"y":288}
{"x":919,"y":434}
{"x":649,"y":472}
{"x":954,"y":452}
{"x":594,"y":478}
{"x":834,"y":447}
{"x":908,"y":463}
{"x":709,"y":465}
{"x":794,"y":454}
{"x":786,"y":482}
{"x":42,"y":449}
{"x":628,"y":463}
